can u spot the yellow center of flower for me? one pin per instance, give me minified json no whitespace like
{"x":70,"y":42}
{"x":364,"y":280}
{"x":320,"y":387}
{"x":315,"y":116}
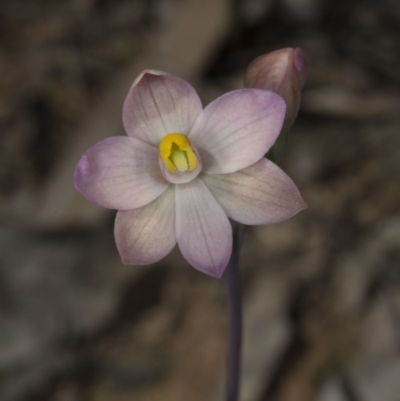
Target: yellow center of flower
{"x":177,"y":154}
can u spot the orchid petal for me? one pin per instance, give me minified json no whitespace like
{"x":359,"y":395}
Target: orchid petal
{"x":259,"y":194}
{"x":147,"y":234}
{"x":158,"y":104}
{"x":120,"y":173}
{"x":237,"y":129}
{"x":203,"y":231}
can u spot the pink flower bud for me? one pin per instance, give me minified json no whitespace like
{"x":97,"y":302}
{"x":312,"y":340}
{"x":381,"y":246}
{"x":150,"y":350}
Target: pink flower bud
{"x":283,"y":72}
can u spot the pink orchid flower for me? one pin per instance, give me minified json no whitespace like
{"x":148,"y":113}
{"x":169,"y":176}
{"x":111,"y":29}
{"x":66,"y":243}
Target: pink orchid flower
{"x":182,"y":172}
{"x":282,"y":71}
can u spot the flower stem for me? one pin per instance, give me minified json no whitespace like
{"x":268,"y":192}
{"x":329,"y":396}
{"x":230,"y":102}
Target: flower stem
{"x":232,"y":278}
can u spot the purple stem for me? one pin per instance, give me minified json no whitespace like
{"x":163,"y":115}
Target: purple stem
{"x":232,"y":278}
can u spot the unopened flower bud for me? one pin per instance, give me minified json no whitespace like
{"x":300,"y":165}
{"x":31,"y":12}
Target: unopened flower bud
{"x":283,"y":72}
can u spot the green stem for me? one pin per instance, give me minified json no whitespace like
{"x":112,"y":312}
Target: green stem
{"x":232,"y":278}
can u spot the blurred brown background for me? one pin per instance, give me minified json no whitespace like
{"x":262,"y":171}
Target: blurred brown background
{"x":322,"y":291}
